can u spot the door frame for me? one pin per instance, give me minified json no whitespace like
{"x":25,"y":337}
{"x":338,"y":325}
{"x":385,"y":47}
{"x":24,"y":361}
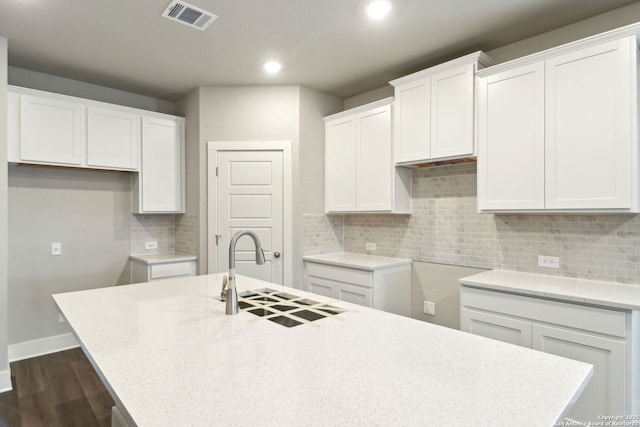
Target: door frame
{"x":213,"y":147}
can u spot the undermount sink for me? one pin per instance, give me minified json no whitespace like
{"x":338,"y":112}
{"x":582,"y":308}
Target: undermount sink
{"x":283,"y":308}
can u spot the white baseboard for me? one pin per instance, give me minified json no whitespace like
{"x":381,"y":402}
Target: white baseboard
{"x":5,"y":381}
{"x":40,"y":347}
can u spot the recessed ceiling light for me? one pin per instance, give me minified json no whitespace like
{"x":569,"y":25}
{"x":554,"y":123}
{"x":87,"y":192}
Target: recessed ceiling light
{"x":378,"y":9}
{"x":272,"y":67}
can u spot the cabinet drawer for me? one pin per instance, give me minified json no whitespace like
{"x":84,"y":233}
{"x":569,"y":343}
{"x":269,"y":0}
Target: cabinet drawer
{"x":599,"y":320}
{"x":340,"y":274}
{"x":159,"y":271}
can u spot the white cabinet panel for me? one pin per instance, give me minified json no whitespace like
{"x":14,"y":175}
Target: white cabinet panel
{"x":499,"y":328}
{"x":51,"y":130}
{"x":511,"y":139}
{"x":434,"y":115}
{"x":161,"y":181}
{"x":359,"y":172}
{"x":412,"y":129}
{"x":577,"y":105}
{"x":588,"y":128}
{"x":340,"y":169}
{"x":452,"y":96}
{"x":604,"y":394}
{"x":374,"y":168}
{"x":113,"y":138}
{"x":354,"y":294}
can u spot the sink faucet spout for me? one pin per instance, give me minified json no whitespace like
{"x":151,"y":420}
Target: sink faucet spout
{"x":231,"y":293}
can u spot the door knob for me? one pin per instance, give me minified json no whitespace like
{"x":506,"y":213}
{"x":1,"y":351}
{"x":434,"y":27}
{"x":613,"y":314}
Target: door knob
{"x":276,"y":254}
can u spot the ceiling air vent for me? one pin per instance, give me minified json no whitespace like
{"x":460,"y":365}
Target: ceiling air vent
{"x":189,"y":15}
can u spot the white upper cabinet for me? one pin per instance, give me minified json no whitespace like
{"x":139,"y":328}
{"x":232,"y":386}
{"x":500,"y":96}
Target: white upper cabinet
{"x":51,"y":130}
{"x":359,"y":172}
{"x":557,"y":130}
{"x":159,"y":187}
{"x":434,"y":111}
{"x":511,"y":139}
{"x":113,"y":138}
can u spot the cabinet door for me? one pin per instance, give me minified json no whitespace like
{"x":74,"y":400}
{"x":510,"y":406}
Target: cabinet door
{"x":353,"y":294}
{"x":161,"y":173}
{"x":605,"y":392}
{"x":320,"y":286}
{"x":511,"y":139}
{"x":588,"y":127}
{"x":452,"y":112}
{"x":499,"y":328}
{"x":113,"y":138}
{"x":375,"y":166}
{"x":411,"y":121}
{"x":340,"y":165}
{"x":51,"y":130}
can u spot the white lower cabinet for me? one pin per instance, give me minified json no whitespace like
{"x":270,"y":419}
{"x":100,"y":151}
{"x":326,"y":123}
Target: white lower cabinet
{"x":599,"y":336}
{"x":149,"y":268}
{"x":387,"y":289}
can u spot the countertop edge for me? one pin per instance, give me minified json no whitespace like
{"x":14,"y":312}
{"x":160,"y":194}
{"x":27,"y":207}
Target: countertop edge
{"x":164,"y":258}
{"x":381,"y":263}
{"x":567,"y":289}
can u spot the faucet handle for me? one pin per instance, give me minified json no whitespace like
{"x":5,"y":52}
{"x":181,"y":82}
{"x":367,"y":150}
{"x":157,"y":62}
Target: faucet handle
{"x":223,"y":293}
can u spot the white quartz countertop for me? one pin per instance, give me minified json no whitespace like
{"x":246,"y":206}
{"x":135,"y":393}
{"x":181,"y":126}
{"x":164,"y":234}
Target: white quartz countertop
{"x":607,"y":294}
{"x":359,"y":261}
{"x":162,"y":258}
{"x":170,"y":356}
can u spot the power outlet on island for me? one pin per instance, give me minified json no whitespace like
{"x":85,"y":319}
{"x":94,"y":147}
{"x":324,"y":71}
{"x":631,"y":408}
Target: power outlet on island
{"x":370,"y":246}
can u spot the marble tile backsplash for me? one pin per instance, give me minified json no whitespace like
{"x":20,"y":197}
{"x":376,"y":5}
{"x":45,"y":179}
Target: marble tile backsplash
{"x":323,"y":234}
{"x":445,"y":227}
{"x":159,"y":228}
{"x":187,"y":237}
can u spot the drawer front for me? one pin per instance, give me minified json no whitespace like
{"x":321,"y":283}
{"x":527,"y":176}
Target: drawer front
{"x":599,"y":320}
{"x":340,"y":274}
{"x":173,"y":269}
{"x":354,"y":294}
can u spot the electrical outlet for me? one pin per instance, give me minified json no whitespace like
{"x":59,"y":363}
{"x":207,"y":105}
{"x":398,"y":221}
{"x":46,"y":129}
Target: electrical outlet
{"x":548,"y":261}
{"x":370,"y":246}
{"x":61,"y":318}
{"x":151,"y":245}
{"x":429,"y":308}
{"x":56,"y":249}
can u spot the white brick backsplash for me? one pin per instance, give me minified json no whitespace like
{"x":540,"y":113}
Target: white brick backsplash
{"x":144,"y":228}
{"x":445,"y":227}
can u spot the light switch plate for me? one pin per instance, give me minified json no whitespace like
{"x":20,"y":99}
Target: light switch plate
{"x":151,"y":245}
{"x":370,"y":246}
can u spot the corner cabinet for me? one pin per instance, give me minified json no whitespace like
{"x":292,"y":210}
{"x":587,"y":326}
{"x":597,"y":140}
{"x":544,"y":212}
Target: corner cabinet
{"x":557,"y":130}
{"x":434,"y":117}
{"x":599,"y":336}
{"x":359,"y":172}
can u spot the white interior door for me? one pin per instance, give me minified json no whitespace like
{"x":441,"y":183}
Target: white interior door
{"x":249,"y":196}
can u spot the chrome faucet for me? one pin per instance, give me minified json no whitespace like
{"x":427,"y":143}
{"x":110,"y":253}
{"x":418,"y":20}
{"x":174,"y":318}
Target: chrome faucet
{"x":230,"y":295}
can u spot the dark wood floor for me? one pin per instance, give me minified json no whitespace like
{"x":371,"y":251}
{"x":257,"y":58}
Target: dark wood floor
{"x":60,"y":389}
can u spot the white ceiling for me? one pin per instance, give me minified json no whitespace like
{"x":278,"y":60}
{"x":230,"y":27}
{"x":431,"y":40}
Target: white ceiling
{"x":324,"y":44}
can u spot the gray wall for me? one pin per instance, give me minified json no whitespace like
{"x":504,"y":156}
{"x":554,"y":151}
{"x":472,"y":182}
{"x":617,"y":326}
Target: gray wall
{"x":589,"y":27}
{"x":48,"y":82}
{"x":88,"y":212}
{"x":4,"y":304}
{"x":255,"y":113}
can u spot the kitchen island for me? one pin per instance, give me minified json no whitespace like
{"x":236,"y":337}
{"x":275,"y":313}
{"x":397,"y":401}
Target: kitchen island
{"x":170,"y":356}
